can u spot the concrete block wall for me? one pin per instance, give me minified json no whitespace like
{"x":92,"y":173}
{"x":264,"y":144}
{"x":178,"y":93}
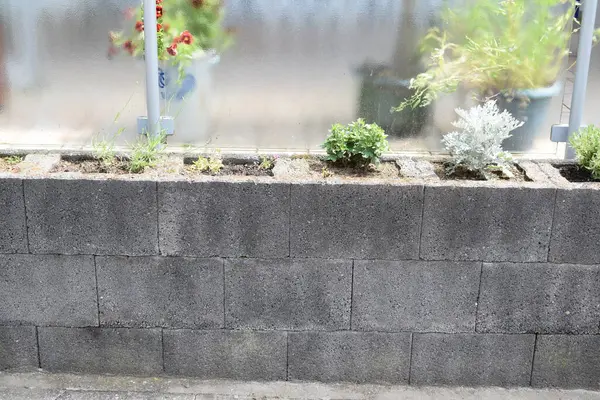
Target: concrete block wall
{"x":447,"y":283}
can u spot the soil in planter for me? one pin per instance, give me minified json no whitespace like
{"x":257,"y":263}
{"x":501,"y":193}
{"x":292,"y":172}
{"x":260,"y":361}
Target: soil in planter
{"x":575,"y":173}
{"x":326,"y":169}
{"x":463,"y":174}
{"x":91,"y":166}
{"x":10,"y":163}
{"x":247,"y":169}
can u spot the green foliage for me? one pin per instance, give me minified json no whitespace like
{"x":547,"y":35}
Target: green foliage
{"x":357,"y":144}
{"x":145,"y":152}
{"x":266,"y":162}
{"x":211,"y":164}
{"x":12,"y":160}
{"x":494,"y":46}
{"x":586,"y":143}
{"x":104,"y":149}
{"x":199,"y":22}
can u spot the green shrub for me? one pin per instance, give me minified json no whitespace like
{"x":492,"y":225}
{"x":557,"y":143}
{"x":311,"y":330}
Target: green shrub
{"x":211,"y":164}
{"x":357,"y":144}
{"x":586,"y":143}
{"x":146,"y":151}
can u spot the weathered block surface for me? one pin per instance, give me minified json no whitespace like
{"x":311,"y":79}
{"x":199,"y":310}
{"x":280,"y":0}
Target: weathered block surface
{"x":356,"y":221}
{"x":91,"y":217}
{"x":349,"y":357}
{"x":160,"y":292}
{"x":541,"y":298}
{"x":48,"y":290}
{"x":415,"y":296}
{"x":101,"y":350}
{"x":18,"y":347}
{"x":576,"y":229}
{"x":224,"y":219}
{"x":472,"y":359}
{"x":570,"y":361}
{"x":487,"y":223}
{"x":13,"y":233}
{"x":288,"y":294}
{"x":226,"y":354}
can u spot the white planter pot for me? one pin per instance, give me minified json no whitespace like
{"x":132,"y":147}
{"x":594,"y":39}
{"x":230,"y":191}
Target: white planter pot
{"x":187,"y":98}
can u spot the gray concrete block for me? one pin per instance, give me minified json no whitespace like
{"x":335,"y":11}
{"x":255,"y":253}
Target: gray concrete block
{"x":576,"y":229}
{"x":18,"y":347}
{"x":288,"y":294}
{"x":415,"y":296}
{"x":540,"y":298}
{"x":29,"y":394}
{"x":570,"y":361}
{"x":356,"y":221}
{"x":471,"y":359}
{"x":243,"y":355}
{"x":101,"y":350}
{"x":224,"y":219}
{"x":13,"y":233}
{"x":416,"y":168}
{"x":91,"y":217}
{"x":39,"y":163}
{"x":364,"y":357}
{"x":87,"y":395}
{"x":487,"y":223}
{"x":48,"y":290}
{"x":160,"y":292}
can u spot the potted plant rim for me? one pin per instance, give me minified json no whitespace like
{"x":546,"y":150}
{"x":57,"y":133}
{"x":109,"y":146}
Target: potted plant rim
{"x":512,"y":51}
{"x":190,"y":35}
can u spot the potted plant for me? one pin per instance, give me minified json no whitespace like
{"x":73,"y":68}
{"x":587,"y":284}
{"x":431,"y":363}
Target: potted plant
{"x":190,"y":36}
{"x":512,"y":51}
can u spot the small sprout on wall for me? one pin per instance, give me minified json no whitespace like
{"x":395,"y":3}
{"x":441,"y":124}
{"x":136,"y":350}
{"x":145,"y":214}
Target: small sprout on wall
{"x":13,"y":160}
{"x":146,"y":151}
{"x":357,"y":145}
{"x":210,"y":164}
{"x":478,"y":145}
{"x":326,"y":172}
{"x":586,"y":143}
{"x":266,"y":163}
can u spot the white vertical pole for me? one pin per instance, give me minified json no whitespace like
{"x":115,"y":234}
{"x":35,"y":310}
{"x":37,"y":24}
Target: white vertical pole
{"x":151,"y":57}
{"x":582,"y":69}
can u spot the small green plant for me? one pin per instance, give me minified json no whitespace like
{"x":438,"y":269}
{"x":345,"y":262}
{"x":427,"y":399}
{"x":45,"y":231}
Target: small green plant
{"x":356,"y":144}
{"x":586,"y":143}
{"x":145,"y":152}
{"x":13,"y":160}
{"x":104,"y":149}
{"x":325,"y":172}
{"x":266,"y":162}
{"x":211,"y":164}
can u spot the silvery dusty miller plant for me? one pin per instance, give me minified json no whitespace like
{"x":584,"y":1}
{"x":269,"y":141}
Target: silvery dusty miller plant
{"x":479,"y":144}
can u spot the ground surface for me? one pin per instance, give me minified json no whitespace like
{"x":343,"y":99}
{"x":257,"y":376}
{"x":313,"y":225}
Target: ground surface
{"x":42,"y":386}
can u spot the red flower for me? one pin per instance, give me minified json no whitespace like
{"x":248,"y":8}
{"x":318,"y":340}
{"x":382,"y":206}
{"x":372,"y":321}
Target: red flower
{"x":139,"y":26}
{"x":172,"y":50}
{"x":186,"y":37}
{"x":197,"y":3}
{"x":158,"y":27}
{"x":159,"y":2}
{"x":159,"y":11}
{"x":129,"y":46}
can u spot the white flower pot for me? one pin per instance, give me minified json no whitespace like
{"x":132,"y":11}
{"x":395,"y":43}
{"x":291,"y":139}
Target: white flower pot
{"x":187,"y":98}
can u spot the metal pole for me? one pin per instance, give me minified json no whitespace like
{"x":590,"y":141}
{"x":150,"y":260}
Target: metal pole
{"x":582,"y":69}
{"x":151,"y":57}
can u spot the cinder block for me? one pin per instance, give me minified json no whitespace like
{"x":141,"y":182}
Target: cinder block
{"x":160,"y":292}
{"x":471,"y":359}
{"x":224,"y":219}
{"x":13,"y":233}
{"x":356,"y":221}
{"x":18,"y":347}
{"x":88,"y":395}
{"x":364,"y":357}
{"x":101,"y":350}
{"x":487,"y":223}
{"x":91,"y":217}
{"x":226,"y":354}
{"x":569,"y":361}
{"x":540,"y":298}
{"x":48,"y":290}
{"x":415,"y":296}
{"x":576,"y":229}
{"x":288,"y":294}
